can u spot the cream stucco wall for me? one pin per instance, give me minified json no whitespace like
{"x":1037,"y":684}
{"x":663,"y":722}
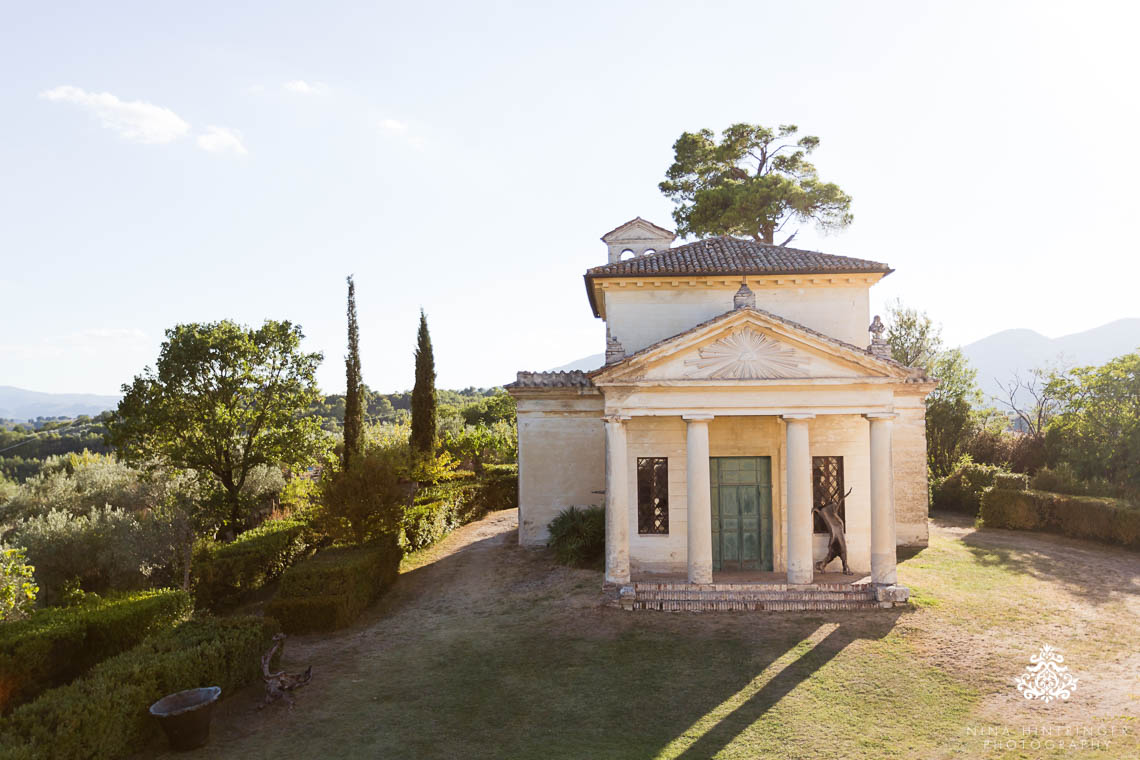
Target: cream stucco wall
{"x":562,"y":449}
{"x":639,"y":316}
{"x":912,"y":495}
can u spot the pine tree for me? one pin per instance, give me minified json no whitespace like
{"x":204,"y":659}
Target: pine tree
{"x":423,"y":394}
{"x":354,"y":389}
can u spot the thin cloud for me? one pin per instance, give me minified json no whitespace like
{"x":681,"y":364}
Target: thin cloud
{"x":222,"y":140}
{"x":402,"y":131}
{"x":133,"y":120}
{"x":301,"y":87}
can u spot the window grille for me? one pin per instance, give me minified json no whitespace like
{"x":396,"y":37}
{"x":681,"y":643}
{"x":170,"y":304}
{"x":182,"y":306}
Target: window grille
{"x":653,"y":495}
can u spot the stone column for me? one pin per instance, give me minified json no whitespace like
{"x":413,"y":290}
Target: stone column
{"x":617,"y":501}
{"x":883,"y":558}
{"x":699,"y":497}
{"x":800,"y":559}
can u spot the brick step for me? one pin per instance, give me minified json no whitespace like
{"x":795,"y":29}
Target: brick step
{"x":756,"y":596}
{"x":767,"y":587}
{"x":709,"y":605}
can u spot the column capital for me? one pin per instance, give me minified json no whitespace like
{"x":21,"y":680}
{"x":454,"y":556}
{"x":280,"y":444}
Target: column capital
{"x":795,"y":417}
{"x":874,"y":416}
{"x":698,"y":417}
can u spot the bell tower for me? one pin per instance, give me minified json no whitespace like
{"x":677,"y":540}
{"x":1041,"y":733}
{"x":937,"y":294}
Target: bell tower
{"x":637,"y":237}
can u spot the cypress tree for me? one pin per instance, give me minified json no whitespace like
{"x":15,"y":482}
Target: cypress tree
{"x":354,"y":388}
{"x":423,"y":394}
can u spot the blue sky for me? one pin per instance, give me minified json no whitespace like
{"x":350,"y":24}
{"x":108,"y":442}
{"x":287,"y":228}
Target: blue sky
{"x":166,"y":163}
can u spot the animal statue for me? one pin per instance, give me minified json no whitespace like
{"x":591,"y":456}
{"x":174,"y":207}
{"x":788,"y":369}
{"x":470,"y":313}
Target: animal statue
{"x":837,"y":545}
{"x":279,"y":684}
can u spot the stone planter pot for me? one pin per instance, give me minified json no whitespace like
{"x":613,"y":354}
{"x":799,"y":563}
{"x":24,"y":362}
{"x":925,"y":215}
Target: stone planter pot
{"x":185,"y":716}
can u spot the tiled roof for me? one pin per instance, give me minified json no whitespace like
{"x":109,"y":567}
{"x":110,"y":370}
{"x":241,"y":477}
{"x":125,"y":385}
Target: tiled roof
{"x":575,"y":378}
{"x":729,"y":255}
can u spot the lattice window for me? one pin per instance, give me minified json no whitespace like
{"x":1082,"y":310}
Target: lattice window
{"x":653,"y":495}
{"x":827,"y":484}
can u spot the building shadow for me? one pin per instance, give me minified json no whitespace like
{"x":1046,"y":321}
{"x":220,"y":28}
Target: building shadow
{"x":871,"y":625}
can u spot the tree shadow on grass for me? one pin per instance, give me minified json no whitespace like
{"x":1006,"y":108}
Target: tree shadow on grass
{"x":872,"y":626}
{"x":1098,"y":572}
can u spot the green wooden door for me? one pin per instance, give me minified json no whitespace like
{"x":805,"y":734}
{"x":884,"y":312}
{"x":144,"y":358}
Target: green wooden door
{"x":741,"y":512}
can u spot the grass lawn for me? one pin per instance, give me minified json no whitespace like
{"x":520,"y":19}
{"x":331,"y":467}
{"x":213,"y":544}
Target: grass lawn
{"x":487,"y":650}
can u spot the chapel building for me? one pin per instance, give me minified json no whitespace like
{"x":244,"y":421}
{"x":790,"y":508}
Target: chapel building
{"x":739,"y":390}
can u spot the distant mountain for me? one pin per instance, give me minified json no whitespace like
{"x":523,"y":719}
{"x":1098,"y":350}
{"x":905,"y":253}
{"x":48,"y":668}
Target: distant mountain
{"x":997,"y":357}
{"x":20,"y":404}
{"x":593,"y":361}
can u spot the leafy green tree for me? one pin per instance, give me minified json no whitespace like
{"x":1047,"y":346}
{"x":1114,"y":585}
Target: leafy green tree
{"x":954,"y":409}
{"x":354,"y":393}
{"x":223,"y":400}
{"x":1098,"y":427}
{"x":18,"y":589}
{"x":423,"y":393}
{"x":751,"y":183}
{"x":912,"y":335}
{"x":491,"y":409}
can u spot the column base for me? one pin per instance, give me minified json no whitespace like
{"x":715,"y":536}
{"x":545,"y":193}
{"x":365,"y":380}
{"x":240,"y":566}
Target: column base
{"x":891,"y":594}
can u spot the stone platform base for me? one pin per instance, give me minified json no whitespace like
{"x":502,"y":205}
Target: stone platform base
{"x":714,"y":597}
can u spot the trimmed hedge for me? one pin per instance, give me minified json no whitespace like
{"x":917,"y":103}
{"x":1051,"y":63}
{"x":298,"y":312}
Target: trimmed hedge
{"x":1014,"y":481}
{"x":961,"y":490}
{"x":224,"y":573}
{"x":330,"y":590}
{"x":57,"y":644}
{"x":104,"y":714}
{"x":443,"y":507}
{"x":1106,"y":520}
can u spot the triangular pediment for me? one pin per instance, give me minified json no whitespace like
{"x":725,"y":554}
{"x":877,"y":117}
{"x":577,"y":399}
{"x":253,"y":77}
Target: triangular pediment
{"x":748,"y":345}
{"x":638,"y":229}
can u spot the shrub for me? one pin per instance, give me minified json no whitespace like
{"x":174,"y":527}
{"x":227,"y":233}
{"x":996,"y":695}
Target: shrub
{"x":1064,"y":479}
{"x":578,"y":536}
{"x":54,"y":645}
{"x":961,"y":490}
{"x":104,"y":714}
{"x":105,"y":549}
{"x":1100,"y":519}
{"x":368,"y":499}
{"x":330,"y":590}
{"x":17,"y":588}
{"x":223,"y":573}
{"x":1015,"y":481}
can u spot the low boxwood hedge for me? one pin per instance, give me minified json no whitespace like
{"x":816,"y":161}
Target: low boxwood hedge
{"x":104,"y":713}
{"x":331,"y":589}
{"x":1101,"y":519}
{"x":224,"y":573}
{"x":443,"y":507}
{"x":56,"y":644}
{"x":1015,"y":481}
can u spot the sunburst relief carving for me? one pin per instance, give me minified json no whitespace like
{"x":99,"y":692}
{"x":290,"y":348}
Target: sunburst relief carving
{"x":745,"y":355}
